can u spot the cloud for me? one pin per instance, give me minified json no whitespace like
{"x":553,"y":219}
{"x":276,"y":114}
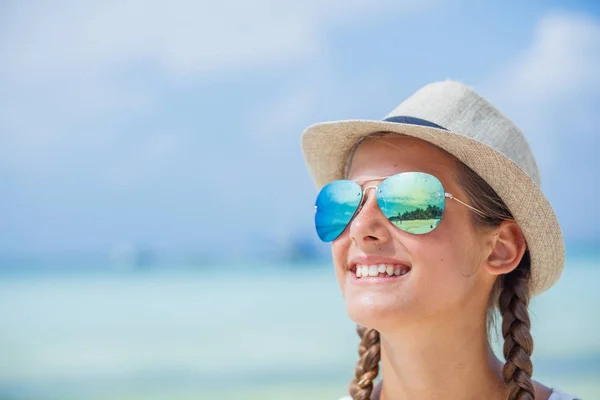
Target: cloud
{"x":71,"y":74}
{"x":179,"y":38}
{"x":282,"y":113}
{"x":552,"y":89}
{"x":552,"y":92}
{"x":106,"y":103}
{"x":280,"y":119}
{"x":562,"y":63}
{"x":42,"y":127}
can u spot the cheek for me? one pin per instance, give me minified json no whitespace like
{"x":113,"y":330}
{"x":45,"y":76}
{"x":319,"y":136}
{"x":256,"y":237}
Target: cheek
{"x":339,"y":251}
{"x":445,"y":262}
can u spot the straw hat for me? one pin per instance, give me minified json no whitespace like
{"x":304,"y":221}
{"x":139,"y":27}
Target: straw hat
{"x":455,"y":118}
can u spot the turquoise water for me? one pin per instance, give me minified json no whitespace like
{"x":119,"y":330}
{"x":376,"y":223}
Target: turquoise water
{"x":226,"y":331}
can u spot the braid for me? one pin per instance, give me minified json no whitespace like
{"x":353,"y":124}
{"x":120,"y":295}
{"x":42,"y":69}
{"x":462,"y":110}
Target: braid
{"x":367,"y":367}
{"x":518,"y":343}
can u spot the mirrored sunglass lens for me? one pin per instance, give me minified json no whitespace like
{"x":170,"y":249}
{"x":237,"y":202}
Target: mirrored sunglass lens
{"x":412,"y":201}
{"x":335,"y":206}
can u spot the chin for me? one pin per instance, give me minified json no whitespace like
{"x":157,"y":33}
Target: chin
{"x":377,"y":311}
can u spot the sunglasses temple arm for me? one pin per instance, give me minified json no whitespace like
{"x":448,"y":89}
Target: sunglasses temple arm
{"x":449,"y":195}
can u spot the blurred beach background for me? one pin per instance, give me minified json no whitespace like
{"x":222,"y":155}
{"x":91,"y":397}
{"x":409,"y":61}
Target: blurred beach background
{"x":156,"y":237}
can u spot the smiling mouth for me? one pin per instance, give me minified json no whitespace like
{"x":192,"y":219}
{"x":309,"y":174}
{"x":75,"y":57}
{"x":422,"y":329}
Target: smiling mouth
{"x":363,"y":271}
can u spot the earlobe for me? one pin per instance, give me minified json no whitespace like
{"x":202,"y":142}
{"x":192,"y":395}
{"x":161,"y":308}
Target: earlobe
{"x":507,"y":249}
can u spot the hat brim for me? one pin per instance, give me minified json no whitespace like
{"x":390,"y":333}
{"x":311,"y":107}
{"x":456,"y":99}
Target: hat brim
{"x":327,"y":145}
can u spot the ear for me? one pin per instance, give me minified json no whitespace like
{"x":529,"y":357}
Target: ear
{"x":507,"y":248}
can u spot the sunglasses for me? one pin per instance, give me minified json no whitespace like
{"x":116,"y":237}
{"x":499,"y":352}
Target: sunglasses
{"x":413,"y":202}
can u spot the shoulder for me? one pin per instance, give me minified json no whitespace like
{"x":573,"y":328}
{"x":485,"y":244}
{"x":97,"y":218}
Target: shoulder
{"x":545,"y":392}
{"x":558,"y":394}
{"x":555,"y":394}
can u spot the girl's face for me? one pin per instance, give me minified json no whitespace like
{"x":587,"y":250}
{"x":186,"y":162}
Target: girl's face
{"x":444,"y":275}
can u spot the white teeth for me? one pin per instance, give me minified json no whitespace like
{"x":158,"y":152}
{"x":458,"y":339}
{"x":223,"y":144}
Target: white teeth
{"x":373,"y":270}
{"x":380,"y":270}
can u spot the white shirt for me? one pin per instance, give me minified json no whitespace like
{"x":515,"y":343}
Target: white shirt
{"x":556,"y":395}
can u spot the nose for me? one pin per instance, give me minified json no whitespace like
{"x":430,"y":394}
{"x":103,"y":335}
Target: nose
{"x":370,"y":227}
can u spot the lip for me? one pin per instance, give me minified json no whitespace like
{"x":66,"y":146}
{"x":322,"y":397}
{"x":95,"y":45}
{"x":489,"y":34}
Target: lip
{"x":376,"y":280}
{"x":370,"y":260}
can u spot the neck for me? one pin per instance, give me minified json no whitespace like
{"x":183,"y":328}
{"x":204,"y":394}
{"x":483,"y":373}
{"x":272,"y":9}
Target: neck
{"x":451,"y":359}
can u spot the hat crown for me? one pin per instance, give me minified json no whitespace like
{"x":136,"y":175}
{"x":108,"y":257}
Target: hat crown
{"x":458,"y":108}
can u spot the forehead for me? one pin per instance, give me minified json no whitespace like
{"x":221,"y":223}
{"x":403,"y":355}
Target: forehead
{"x":388,"y":155}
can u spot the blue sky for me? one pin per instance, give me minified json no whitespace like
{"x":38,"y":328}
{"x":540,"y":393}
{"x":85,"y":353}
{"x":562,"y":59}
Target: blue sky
{"x":179,"y":126}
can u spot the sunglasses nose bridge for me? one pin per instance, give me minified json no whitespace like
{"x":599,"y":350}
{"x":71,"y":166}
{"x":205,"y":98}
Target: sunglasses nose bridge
{"x":365,"y":199}
{"x":364,"y":194}
{"x":367,"y":227}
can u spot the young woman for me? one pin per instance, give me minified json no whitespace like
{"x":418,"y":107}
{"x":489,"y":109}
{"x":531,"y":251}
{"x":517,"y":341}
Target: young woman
{"x":436,"y":221}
